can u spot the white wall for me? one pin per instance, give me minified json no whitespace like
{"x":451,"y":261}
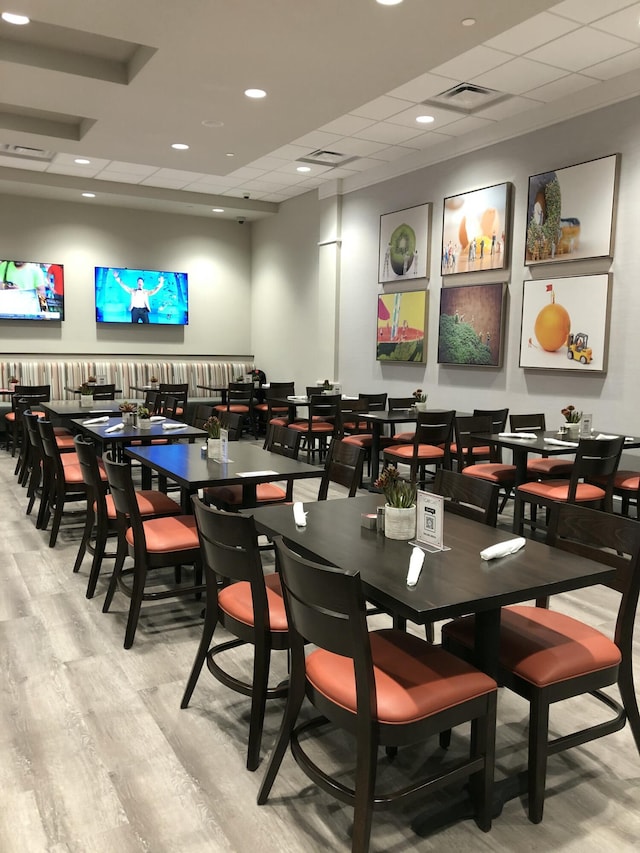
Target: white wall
{"x":215,"y":254}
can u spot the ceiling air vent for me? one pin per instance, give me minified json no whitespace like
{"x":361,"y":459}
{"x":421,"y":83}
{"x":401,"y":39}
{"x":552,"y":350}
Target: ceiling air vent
{"x":466,"y":98}
{"x":326,"y":158}
{"x":25,"y":153}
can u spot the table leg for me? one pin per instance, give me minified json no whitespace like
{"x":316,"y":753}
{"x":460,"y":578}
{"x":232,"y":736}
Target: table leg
{"x":376,"y":432}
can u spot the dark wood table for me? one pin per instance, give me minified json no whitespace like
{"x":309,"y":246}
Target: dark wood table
{"x":248,"y":466}
{"x":67,"y":409}
{"x":121,"y":438}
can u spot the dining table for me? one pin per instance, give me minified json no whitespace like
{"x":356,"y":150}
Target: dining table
{"x":68,"y":409}
{"x":115,"y":435}
{"x":247,"y":465}
{"x":453,"y":582}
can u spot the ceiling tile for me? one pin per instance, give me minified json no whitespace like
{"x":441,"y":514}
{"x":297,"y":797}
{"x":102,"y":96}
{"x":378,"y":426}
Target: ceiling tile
{"x":358,"y":147}
{"x":586,"y":11}
{"x":292,"y":152}
{"x":394,"y":152}
{"x":96,"y":162}
{"x":29,"y":165}
{"x":510,"y":107}
{"x":381,"y":108}
{"x":610,"y":68}
{"x":581,"y":48}
{"x":624,"y":24}
{"x":425,"y":86}
{"x":317,"y":139}
{"x":131,"y":168}
{"x":442,"y":117}
{"x":385,"y":132}
{"x":129,"y":178}
{"x":561,"y":88}
{"x":518,"y":76}
{"x":172,"y":175}
{"x":165,"y":183}
{"x":532,"y":33}
{"x":468,"y":124}
{"x":291,"y":169}
{"x":347,"y":125}
{"x":55,"y":168}
{"x":428,"y":140}
{"x":473,"y":62}
{"x":268,"y":163}
{"x":246,"y":172}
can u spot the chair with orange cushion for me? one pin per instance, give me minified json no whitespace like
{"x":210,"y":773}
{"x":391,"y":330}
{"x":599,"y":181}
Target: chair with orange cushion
{"x":320,"y":426}
{"x":246,"y":603}
{"x":476,"y":451}
{"x":179,"y":390}
{"x":153,"y":544}
{"x":104,"y":392}
{"x":385,"y":688}
{"x":540,"y":467}
{"x":31,"y":395}
{"x":101,"y":513}
{"x":430,"y":445}
{"x":399,"y":404}
{"x":240,"y":401}
{"x":492,"y":470}
{"x":595,"y":458}
{"x":546,"y":656}
{"x":626,"y":486}
{"x":266,"y":410}
{"x":342,"y":467}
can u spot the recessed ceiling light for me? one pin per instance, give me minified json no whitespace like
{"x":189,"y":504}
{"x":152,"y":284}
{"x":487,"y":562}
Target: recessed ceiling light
{"x":180,"y":146}
{"x":212,"y":122}
{"x":88,"y":195}
{"x":425,"y":119}
{"x":389,"y":2}
{"x":229,"y":154}
{"x":82,"y":161}
{"x":255,"y":93}
{"x":303,"y":168}
{"x":468,"y":22}
{"x":217,"y":209}
{"x":11,"y":18}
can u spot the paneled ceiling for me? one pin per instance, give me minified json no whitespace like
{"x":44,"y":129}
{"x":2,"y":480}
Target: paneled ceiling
{"x":118,"y":83}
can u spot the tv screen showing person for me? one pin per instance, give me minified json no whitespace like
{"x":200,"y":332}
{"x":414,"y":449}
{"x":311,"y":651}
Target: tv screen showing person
{"x":31,"y":291}
{"x":141,"y":296}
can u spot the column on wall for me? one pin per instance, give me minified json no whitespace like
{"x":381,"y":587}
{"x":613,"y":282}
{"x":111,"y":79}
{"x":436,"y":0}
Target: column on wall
{"x":329,"y":280}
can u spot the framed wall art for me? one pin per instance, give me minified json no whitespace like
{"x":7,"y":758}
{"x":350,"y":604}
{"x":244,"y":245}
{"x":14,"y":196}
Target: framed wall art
{"x":565,"y":323}
{"x":570,"y":212}
{"x":404,"y":244}
{"x":471,"y":327}
{"x":402,"y":323}
{"x":476,"y":230}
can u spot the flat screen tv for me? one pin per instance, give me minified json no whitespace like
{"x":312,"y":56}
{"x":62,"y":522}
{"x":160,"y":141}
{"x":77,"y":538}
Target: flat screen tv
{"x":31,"y":291}
{"x":141,"y":296}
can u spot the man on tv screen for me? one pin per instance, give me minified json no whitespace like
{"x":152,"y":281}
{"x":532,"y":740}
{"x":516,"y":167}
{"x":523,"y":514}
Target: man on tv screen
{"x":139,"y":304}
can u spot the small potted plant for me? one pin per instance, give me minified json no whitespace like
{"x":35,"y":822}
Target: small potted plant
{"x":144,"y":418}
{"x":86,"y":395}
{"x":153,"y":381}
{"x":13,"y":381}
{"x":128,"y":410}
{"x":420,"y":400}
{"x":573,"y":417}
{"x":212,"y":426}
{"x":400,"y":507}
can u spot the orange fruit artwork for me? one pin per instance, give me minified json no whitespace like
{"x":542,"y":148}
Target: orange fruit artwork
{"x":552,"y":327}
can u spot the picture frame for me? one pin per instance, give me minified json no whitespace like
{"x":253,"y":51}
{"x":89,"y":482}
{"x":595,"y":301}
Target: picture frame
{"x":402,"y":326}
{"x":403,"y":249}
{"x":476,"y":230}
{"x":471,"y":325}
{"x":565,"y":323}
{"x":571,"y":212}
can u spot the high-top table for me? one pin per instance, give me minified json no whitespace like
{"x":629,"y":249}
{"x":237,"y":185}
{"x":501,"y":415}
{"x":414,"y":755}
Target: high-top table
{"x":247,"y":466}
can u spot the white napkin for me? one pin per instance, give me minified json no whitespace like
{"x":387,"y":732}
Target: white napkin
{"x":415,"y":566}
{"x":155,"y":419}
{"x":560,"y":442}
{"x":173,"y":426}
{"x":503,"y":548}
{"x":629,"y":438}
{"x":531,"y":435}
{"x":602,"y":435}
{"x":115,"y":428}
{"x":103,"y":420}
{"x":299,"y":515}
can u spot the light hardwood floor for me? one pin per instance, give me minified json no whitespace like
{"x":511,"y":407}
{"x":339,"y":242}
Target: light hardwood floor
{"x":97,"y":757}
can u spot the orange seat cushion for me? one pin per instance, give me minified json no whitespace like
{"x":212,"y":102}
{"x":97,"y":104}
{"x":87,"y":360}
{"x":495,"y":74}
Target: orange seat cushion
{"x":549,"y":467}
{"x":172,"y":533}
{"x":475,"y":451}
{"x":73,"y":475}
{"x":237,"y":601}
{"x":558,"y":490}
{"x":414,"y":679}
{"x":425,"y":451}
{"x":362,"y":439}
{"x":232,"y":495}
{"x":495,"y":472}
{"x":150,"y":502}
{"x":11,"y":416}
{"x":404,"y":436}
{"x":629,"y":481}
{"x":280,"y":421}
{"x":64,"y":442}
{"x":238,"y":408}
{"x":543,"y":646}
{"x":321,"y":427}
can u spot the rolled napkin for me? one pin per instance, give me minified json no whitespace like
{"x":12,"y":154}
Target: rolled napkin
{"x":299,"y":515}
{"x":529,"y":435}
{"x":173,"y":426}
{"x":103,"y":420}
{"x":503,"y":548}
{"x":628,"y":438}
{"x":155,"y":419}
{"x":115,"y":428}
{"x":602,"y":435}
{"x":560,"y":442}
{"x":415,"y":566}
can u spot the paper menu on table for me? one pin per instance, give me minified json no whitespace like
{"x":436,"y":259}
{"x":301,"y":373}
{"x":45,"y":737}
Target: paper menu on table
{"x":224,"y":445}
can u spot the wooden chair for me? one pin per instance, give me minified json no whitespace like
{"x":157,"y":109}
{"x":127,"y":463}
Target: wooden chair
{"x":493,"y":470}
{"x":430,"y":445}
{"x":541,"y":467}
{"x":343,"y":466}
{"x":171,"y":408}
{"x":321,"y":425}
{"x":201,"y":413}
{"x":32,"y":433}
{"x":153,"y":544}
{"x":245,"y":602}
{"x":386,"y":688}
{"x":179,"y":390}
{"x":595,"y":458}
{"x":399,"y":404}
{"x":240,"y":401}
{"x":375,"y":402}
{"x":104,"y":392}
{"x":546,"y":656}
{"x":233,"y":423}
{"x":101,"y":516}
{"x":467,"y":496}
{"x":30,"y":395}
{"x":266,"y":410}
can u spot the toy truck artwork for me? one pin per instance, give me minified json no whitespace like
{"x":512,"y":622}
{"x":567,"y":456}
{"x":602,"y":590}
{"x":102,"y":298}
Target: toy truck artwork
{"x":577,"y":348}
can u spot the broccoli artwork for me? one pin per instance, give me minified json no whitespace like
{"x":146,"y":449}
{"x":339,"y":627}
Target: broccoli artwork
{"x":459,"y":343}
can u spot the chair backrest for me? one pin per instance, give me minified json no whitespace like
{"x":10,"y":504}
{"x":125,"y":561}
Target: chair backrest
{"x":125,"y":503}
{"x":498,"y":418}
{"x":610,"y":539}
{"x":375,"y":402}
{"x":465,"y":426}
{"x":31,"y":395}
{"x":104,"y":392}
{"x":596,"y":457}
{"x":51,"y":453}
{"x":201,"y":415}
{"x":96,"y":487}
{"x":153,"y":401}
{"x":232,"y":422}
{"x":342,"y":466}
{"x":170,"y":407}
{"x":283,"y":441}
{"x":435,"y":428}
{"x":470,"y":497}
{"x":349,"y":416}
{"x":180,"y":390}
{"x":31,"y":422}
{"x":523,"y":423}
{"x":399,"y":404}
{"x":280,"y":389}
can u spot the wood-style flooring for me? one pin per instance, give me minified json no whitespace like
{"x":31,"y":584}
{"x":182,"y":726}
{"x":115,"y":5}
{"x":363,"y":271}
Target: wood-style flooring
{"x":97,"y":757}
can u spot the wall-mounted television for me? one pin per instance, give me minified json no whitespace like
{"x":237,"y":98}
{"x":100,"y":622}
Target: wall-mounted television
{"x":141,"y":296}
{"x":31,"y":291}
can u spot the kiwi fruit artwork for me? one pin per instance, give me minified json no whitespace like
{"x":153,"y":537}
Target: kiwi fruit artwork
{"x":402,"y":247}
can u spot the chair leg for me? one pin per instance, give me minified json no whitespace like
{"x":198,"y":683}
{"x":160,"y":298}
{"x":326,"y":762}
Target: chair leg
{"x":99,"y":547}
{"x":210,"y":621}
{"x":629,"y":700}
{"x":483,"y":742}
{"x":518,"y":520}
{"x":86,"y":538}
{"x":538,"y":751}
{"x":117,"y":568}
{"x":55,"y":524}
{"x":364,"y":788}
{"x":137,"y":591}
{"x":261,"y":664}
